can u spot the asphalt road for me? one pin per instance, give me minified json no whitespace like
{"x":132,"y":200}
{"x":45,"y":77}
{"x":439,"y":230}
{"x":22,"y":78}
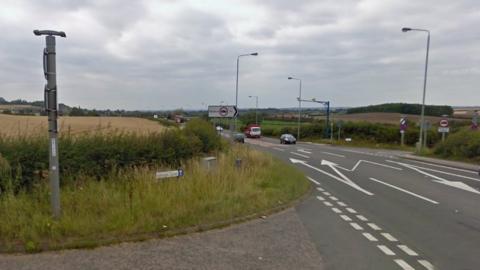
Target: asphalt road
{"x":374,"y":210}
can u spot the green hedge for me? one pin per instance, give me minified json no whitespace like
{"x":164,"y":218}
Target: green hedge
{"x":461,"y":145}
{"x":24,"y":161}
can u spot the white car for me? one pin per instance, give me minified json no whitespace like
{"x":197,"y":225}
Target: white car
{"x":219,"y":129}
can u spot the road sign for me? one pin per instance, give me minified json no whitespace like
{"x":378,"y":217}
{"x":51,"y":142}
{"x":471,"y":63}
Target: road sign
{"x":444,"y":123}
{"x":226,"y":111}
{"x":168,"y":174}
{"x":443,"y":129}
{"x":403,"y":124}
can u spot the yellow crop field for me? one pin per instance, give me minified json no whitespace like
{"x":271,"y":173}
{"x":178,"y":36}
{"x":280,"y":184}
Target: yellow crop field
{"x":16,"y":125}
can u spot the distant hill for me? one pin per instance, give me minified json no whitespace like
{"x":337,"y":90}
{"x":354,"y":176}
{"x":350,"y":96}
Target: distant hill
{"x":404,"y":108}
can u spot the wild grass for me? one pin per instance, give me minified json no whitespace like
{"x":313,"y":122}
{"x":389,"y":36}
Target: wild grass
{"x":129,"y":203}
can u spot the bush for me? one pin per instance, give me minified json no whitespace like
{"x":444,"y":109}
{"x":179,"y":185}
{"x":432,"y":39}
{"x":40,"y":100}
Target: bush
{"x":461,"y":145}
{"x":25,"y":160}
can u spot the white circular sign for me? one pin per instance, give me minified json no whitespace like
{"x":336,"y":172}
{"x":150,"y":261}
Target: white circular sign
{"x":223,"y":111}
{"x":444,"y":123}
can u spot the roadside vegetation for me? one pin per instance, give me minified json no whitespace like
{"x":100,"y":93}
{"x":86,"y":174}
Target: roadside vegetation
{"x":461,"y":146}
{"x":109,"y":192}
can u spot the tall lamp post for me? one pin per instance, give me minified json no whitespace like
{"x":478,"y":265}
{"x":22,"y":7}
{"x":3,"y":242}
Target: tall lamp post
{"x":256,"y":108}
{"x":421,"y":142}
{"x":299,"y":105}
{"x":236,"y":85}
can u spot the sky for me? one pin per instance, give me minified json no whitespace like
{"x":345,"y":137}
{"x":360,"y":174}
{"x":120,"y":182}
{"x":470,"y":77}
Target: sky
{"x":167,"y":54}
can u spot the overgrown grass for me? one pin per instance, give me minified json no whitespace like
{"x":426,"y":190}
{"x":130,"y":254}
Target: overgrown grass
{"x":132,"y":203}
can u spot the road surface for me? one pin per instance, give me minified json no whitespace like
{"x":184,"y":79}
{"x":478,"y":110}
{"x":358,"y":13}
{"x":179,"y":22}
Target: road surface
{"x":374,"y":210}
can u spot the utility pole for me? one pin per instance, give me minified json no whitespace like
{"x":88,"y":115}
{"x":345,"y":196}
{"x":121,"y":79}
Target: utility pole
{"x":50,"y":69}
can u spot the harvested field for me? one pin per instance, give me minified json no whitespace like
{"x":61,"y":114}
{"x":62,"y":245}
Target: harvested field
{"x":386,"y":118}
{"x":14,"y":125}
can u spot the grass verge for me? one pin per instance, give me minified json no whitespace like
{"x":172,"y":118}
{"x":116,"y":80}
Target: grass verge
{"x":134,"y":206}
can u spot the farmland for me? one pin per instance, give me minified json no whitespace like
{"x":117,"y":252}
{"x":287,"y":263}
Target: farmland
{"x":384,"y":118}
{"x":12,"y":125}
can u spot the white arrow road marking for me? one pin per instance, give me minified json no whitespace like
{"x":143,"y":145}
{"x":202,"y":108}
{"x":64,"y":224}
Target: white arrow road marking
{"x":304,"y":151}
{"x":442,"y":166}
{"x":333,"y":154}
{"x":304,"y":156}
{"x":455,"y":184}
{"x":343,"y":180}
{"x":404,"y":190}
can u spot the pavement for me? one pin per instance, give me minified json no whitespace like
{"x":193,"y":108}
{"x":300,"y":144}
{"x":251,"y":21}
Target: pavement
{"x":279,"y":241}
{"x":373,"y":209}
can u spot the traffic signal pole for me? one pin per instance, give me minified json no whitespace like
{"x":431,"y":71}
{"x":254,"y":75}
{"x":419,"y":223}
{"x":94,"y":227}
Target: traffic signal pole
{"x":51,"y":107}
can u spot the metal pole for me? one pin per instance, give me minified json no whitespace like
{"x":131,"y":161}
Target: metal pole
{"x":236,"y":95}
{"x":422,"y":117}
{"x":402,"y":138}
{"x":49,"y":58}
{"x":328,"y":119}
{"x":331,"y":132}
{"x":425,"y":132}
{"x":299,"y":110}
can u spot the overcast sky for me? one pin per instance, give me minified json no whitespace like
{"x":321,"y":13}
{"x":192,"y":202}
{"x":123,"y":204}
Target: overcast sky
{"x":154,"y":54}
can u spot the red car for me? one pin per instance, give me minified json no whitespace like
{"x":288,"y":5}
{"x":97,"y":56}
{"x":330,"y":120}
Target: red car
{"x":253,"y":131}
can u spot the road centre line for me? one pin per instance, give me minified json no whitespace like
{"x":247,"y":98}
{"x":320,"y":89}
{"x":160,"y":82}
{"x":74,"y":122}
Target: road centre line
{"x":404,"y":190}
{"x":389,"y":237}
{"x":300,"y":155}
{"x":304,"y":151}
{"x":433,"y":170}
{"x":426,"y":264}
{"x":441,"y":166}
{"x":386,"y":250}
{"x":333,"y":154}
{"x":314,"y":181}
{"x":404,"y":264}
{"x":407,"y":250}
{"x":370,"y":237}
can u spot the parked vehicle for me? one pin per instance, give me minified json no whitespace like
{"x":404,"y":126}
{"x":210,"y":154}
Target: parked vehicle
{"x":239,"y":137}
{"x":253,"y":131}
{"x":219,"y":129}
{"x":287,"y":139}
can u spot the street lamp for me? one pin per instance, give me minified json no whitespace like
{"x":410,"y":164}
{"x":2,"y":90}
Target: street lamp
{"x":236,"y":84}
{"x":256,"y":108}
{"x":299,"y":105}
{"x":422,"y":117}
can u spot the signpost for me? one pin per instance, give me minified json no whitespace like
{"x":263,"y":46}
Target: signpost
{"x":339,"y":124}
{"x":222,"y":111}
{"x":443,"y":127}
{"x":403,"y":128}
{"x":51,"y":107}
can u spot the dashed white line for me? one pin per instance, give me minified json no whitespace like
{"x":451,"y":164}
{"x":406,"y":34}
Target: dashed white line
{"x":407,"y":250}
{"x":345,"y":217}
{"x":351,"y":210}
{"x":386,"y":250}
{"x":374,"y":226}
{"x":370,"y":237}
{"x":333,"y":154}
{"x":320,"y":189}
{"x":304,"y":151}
{"x":326,"y":193}
{"x":336,"y":210}
{"x":313,"y":180}
{"x":320,"y":198}
{"x":333,"y":198}
{"x":404,"y":264}
{"x":279,"y":149}
{"x":356,"y":226}
{"x":389,"y":237}
{"x":327,"y":203}
{"x":404,"y":190}
{"x":362,"y":218}
{"x":426,"y":264}
{"x":342,"y":204}
{"x":300,"y":155}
